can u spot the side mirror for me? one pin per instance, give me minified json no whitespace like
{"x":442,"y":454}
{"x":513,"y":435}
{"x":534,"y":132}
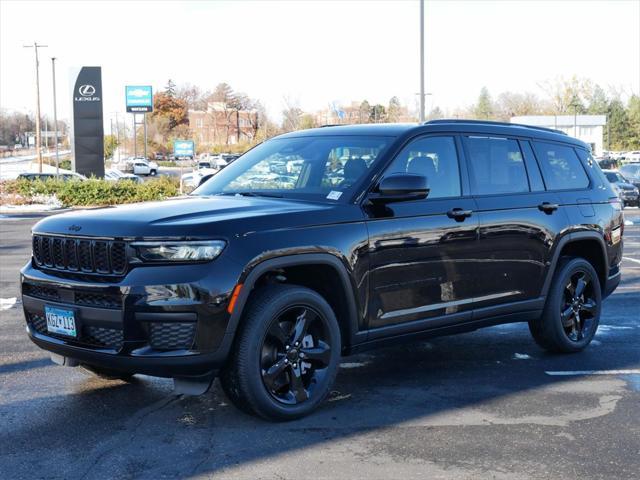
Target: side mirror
{"x":400,"y":187}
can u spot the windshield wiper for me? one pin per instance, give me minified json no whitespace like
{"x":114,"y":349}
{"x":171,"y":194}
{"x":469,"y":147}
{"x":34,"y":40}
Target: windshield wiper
{"x":254,"y":194}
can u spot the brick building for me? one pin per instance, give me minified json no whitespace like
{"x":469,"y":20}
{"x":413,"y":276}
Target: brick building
{"x":219,"y":125}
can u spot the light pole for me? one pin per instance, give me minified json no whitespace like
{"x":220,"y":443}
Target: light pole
{"x":55,"y":115}
{"x":35,"y":47}
{"x":422,"y":61}
{"x":423,"y":104}
{"x":575,"y":104}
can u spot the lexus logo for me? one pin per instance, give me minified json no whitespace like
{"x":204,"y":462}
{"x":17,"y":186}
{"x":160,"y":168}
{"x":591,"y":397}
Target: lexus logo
{"x":87,"y":90}
{"x":75,"y":228}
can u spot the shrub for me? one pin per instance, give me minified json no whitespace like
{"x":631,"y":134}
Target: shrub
{"x":91,"y":192}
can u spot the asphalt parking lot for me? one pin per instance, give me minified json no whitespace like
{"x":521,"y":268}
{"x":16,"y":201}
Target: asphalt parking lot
{"x":487,"y":404}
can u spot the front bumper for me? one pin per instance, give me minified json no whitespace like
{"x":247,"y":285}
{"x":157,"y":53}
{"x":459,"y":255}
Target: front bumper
{"x":167,"y":321}
{"x":629,"y":196}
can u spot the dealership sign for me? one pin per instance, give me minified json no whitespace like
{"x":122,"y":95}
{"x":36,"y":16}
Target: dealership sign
{"x":87,"y":133}
{"x":183,"y":148}
{"x":139,"y":99}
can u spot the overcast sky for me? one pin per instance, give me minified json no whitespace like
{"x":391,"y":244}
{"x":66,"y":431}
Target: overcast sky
{"x":318,"y":52}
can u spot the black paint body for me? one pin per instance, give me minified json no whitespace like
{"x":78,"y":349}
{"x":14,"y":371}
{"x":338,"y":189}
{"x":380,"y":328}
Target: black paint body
{"x":404,"y":269}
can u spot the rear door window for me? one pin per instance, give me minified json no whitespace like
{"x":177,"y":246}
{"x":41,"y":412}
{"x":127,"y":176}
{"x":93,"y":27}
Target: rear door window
{"x":496,"y":165}
{"x":561,"y":167}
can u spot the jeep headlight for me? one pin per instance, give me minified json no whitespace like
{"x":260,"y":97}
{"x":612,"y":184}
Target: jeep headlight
{"x":189,"y":251}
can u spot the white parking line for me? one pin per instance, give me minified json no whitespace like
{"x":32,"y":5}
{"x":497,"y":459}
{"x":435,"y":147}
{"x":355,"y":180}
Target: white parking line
{"x":567,"y":373}
{"x":631,"y":259}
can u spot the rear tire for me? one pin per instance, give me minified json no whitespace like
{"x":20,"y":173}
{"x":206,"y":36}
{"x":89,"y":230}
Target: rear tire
{"x":572,"y":311}
{"x":286,"y":355}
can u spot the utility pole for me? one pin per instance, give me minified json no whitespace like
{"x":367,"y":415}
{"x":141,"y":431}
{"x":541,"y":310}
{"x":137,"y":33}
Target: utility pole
{"x":118,"y":134}
{"x":421,"y":61}
{"x":55,"y":115}
{"x":35,"y":47}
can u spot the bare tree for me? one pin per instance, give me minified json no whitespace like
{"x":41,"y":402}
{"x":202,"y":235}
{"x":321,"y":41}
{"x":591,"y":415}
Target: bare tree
{"x":291,"y":115}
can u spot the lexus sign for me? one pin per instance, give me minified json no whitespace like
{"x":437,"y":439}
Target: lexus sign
{"x":88,"y":129}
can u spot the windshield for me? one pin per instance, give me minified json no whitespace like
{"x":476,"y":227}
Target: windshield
{"x":312,"y":168}
{"x":631,"y":170}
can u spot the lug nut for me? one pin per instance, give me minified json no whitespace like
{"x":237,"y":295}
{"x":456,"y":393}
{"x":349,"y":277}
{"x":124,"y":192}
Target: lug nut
{"x":287,"y":347}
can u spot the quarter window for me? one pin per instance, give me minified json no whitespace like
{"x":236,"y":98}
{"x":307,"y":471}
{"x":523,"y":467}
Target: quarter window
{"x":561,"y":167}
{"x":436,"y":159}
{"x":496,"y":165}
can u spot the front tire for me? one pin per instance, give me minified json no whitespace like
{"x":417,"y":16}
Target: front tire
{"x":572,"y":311}
{"x":286,"y":356}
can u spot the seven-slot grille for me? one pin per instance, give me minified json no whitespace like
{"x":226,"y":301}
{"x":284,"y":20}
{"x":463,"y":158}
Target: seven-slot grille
{"x":80,"y":254}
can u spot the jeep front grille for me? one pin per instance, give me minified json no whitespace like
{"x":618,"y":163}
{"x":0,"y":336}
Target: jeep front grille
{"x":80,"y":254}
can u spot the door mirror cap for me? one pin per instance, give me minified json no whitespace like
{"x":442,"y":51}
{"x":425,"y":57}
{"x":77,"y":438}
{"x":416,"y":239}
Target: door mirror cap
{"x":401,"y":187}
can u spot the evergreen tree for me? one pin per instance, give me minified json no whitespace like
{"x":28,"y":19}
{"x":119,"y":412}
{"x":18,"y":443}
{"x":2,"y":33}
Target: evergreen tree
{"x":618,"y":127}
{"x":484,"y":108}
{"x":170,"y":89}
{"x":633,"y":109}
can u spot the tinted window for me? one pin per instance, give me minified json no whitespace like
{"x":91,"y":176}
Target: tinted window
{"x":561,"y":167}
{"x":435,"y":158}
{"x":496,"y":165}
{"x":315,"y":167}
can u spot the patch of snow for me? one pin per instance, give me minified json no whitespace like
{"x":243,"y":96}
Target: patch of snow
{"x":628,"y":223}
{"x":353,"y":364}
{"x":7,"y":303}
{"x":521,"y":356}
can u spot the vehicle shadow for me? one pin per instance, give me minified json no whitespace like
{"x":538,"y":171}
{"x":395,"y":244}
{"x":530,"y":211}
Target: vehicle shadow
{"x":24,"y":365}
{"x":142,"y":430}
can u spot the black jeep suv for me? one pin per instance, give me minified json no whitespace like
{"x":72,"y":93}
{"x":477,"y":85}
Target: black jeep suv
{"x":325,"y":242}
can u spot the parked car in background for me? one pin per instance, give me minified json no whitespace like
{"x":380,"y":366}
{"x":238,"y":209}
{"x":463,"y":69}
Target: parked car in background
{"x":114,"y":175}
{"x":159,"y":156}
{"x":627,"y":191}
{"x":47,"y":176}
{"x":632,"y":157}
{"x":608,"y":163}
{"x":631,"y":172}
{"x":141,"y":166}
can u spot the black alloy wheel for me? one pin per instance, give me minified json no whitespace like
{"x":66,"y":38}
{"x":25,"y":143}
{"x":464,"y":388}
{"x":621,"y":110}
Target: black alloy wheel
{"x":571,"y":313}
{"x":296,"y":353}
{"x":579,"y":306}
{"x":286,"y":353}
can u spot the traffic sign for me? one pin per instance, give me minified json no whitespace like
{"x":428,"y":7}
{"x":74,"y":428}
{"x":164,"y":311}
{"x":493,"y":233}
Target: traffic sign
{"x":139,"y":99}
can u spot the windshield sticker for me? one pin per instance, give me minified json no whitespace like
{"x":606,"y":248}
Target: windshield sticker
{"x":334,"y":195}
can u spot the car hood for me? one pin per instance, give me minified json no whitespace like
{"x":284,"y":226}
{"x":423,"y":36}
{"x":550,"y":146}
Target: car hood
{"x":197,"y":217}
{"x":626,"y":186}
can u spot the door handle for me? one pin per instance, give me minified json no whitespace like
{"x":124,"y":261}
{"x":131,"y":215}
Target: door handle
{"x":458,"y":214}
{"x":547,"y":207}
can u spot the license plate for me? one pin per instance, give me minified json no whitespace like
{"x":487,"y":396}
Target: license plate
{"x":60,"y":321}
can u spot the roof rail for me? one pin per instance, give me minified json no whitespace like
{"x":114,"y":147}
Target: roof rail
{"x":333,"y":125}
{"x":490,"y":122}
